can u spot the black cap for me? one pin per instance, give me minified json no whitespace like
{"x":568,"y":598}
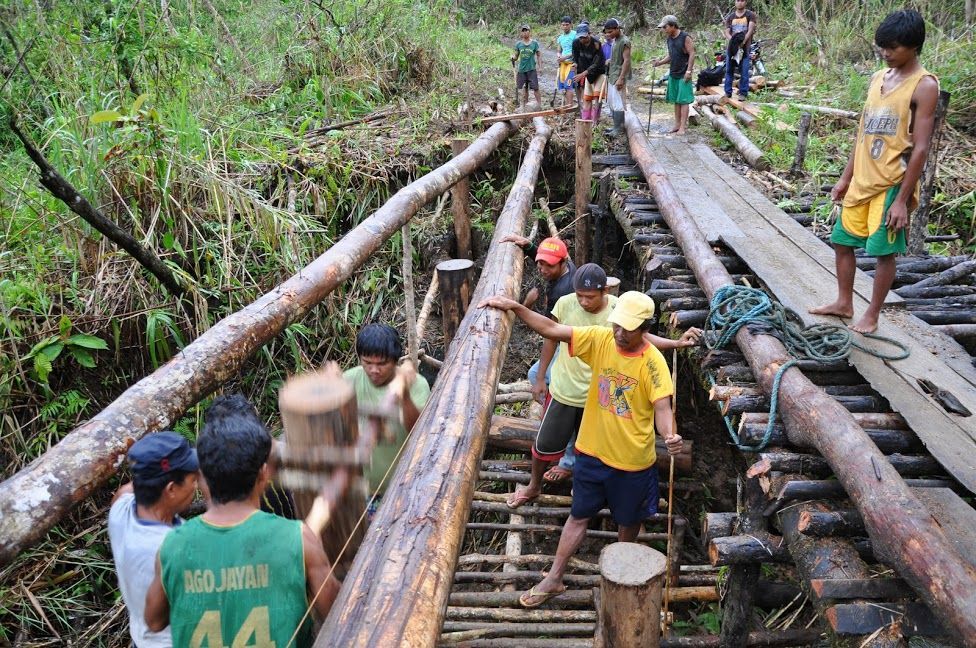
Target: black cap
{"x":155,"y":456}
{"x":613,"y":23}
{"x":566,"y":19}
{"x":589,"y":276}
{"x":583,"y":29}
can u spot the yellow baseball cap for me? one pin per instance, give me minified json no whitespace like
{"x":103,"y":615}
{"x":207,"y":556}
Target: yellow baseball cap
{"x":632,"y":309}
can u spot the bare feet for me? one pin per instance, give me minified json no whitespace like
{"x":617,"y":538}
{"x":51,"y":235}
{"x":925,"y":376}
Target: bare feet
{"x":679,"y":132}
{"x":838,"y":308}
{"x":522,"y":495}
{"x":674,"y":130}
{"x":867,"y":324}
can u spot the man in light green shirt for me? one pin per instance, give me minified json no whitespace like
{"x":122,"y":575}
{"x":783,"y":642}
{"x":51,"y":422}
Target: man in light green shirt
{"x":378,"y":347}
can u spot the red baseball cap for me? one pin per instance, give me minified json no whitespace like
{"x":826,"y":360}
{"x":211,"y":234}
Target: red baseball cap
{"x":552,"y":251}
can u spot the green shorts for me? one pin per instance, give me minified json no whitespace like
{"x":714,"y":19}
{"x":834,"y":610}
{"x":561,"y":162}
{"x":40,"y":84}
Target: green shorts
{"x":680,"y":91}
{"x":863,"y":226}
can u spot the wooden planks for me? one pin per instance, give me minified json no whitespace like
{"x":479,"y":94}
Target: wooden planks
{"x":798,"y":270}
{"x":958,"y":519}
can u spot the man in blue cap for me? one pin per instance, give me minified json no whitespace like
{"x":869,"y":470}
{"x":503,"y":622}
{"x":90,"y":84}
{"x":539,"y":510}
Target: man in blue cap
{"x":164,"y":480}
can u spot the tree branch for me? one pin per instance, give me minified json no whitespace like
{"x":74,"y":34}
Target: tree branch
{"x":63,"y":191}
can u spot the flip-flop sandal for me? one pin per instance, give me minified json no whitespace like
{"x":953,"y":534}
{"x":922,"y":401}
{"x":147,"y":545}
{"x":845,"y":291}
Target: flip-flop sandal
{"x":519,"y":498}
{"x":545,"y":596}
{"x":557,"y":474}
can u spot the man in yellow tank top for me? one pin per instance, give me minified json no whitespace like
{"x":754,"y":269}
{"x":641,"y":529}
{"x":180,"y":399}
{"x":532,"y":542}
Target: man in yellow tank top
{"x":879,"y":185}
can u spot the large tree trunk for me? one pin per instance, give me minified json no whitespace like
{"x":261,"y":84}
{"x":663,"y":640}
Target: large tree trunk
{"x":397,"y":590}
{"x":903,"y":534}
{"x":34,"y":499}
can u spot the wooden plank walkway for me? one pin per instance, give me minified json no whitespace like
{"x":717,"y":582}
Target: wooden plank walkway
{"x":798,"y":269}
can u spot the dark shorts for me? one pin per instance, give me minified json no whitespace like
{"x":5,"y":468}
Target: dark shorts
{"x":559,"y":424}
{"x":530,"y":79}
{"x":631,"y":496}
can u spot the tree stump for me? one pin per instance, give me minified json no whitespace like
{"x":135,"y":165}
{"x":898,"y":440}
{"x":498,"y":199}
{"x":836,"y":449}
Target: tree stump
{"x":454,"y":278}
{"x":319,"y":414}
{"x":631,"y":583}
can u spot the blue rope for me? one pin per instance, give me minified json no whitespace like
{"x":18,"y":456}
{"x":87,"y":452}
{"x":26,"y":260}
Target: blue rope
{"x":733,"y":307}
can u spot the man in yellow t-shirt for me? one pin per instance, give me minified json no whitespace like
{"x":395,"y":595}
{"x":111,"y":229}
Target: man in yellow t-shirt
{"x":629,"y":397}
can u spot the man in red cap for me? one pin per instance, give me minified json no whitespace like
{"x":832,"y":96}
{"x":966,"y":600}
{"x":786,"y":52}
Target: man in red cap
{"x":557,"y":269}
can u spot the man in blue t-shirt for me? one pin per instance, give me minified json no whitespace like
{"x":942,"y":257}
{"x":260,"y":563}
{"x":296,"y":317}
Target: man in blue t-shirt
{"x":564,"y":80}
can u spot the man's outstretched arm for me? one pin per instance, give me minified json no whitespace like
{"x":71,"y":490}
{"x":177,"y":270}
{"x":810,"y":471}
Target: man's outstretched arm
{"x":539,"y":323}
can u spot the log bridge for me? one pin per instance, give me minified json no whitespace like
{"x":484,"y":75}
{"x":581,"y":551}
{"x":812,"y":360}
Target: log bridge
{"x":864,"y":485}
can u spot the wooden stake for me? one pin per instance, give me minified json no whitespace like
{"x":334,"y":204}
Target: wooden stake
{"x":801,"y":145}
{"x":919,"y":223}
{"x":584,"y":172}
{"x":426,"y":307}
{"x":454,"y":277}
{"x":461,"y":207}
{"x":631,"y":581}
{"x":413,"y":342}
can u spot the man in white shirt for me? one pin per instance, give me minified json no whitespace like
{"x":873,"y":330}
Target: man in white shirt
{"x":164,"y":481}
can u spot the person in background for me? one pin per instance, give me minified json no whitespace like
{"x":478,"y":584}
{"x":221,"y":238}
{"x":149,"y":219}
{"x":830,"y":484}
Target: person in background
{"x":681,"y":56}
{"x":557,"y":269}
{"x":590,"y":71}
{"x":564,"y":81}
{"x":740,"y":25}
{"x":528,"y":56}
{"x":618,"y":74}
{"x":164,"y":480}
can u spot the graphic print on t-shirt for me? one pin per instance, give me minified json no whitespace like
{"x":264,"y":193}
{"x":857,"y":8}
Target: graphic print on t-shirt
{"x":613,"y":389}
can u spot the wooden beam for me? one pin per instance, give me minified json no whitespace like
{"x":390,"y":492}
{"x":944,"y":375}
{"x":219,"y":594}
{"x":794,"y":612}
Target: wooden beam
{"x":752,"y":154}
{"x":901,"y":530}
{"x":526,"y":115}
{"x":584,"y":172}
{"x":33,"y":500}
{"x":397,"y":589}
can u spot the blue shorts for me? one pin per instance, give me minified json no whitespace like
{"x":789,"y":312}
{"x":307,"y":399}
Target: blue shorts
{"x":632,"y":496}
{"x":566,"y":75}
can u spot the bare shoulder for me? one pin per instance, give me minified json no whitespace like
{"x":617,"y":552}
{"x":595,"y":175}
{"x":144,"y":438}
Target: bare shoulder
{"x":926,"y":93}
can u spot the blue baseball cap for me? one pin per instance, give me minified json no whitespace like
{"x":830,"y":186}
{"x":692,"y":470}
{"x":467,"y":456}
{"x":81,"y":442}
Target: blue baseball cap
{"x":582,"y":28}
{"x":155,"y":456}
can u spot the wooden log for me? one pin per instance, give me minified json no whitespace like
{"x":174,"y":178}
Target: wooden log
{"x":825,"y":110}
{"x":791,"y":637}
{"x":523,"y":559}
{"x":964,"y":269}
{"x":860,"y":588}
{"x":741,"y":373}
{"x":568,"y":599}
{"x":534,"y":510}
{"x":519,"y":615}
{"x":461,"y":207}
{"x":745,"y":549}
{"x":584,"y":172}
{"x":396,"y":591}
{"x":961,"y":332}
{"x":742,"y":579}
{"x":555,"y":529}
{"x":805,"y":464}
{"x":750,"y":402}
{"x":524,"y":642}
{"x":944,"y":316}
{"x":718,"y":525}
{"x":711,"y":100}
{"x":687,"y":319}
{"x":90,"y":454}
{"x":522,"y":629}
{"x":887,"y":441}
{"x":823,"y":522}
{"x":747,"y":120}
{"x":749,"y":151}
{"x":541,"y":500}
{"x":911,"y":619}
{"x":802,"y":138}
{"x":318,"y":410}
{"x":513,"y":397}
{"x":454,"y":279}
{"x":631,"y":583}
{"x":810,"y":489}
{"x":919,"y":223}
{"x":521,"y":576}
{"x":872,"y":420}
{"x":494,"y":119}
{"x":896,"y":521}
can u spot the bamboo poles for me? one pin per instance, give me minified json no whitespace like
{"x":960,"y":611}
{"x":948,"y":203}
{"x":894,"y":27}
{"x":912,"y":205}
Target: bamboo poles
{"x":397,"y":590}
{"x":902,"y":532}
{"x":33,"y":500}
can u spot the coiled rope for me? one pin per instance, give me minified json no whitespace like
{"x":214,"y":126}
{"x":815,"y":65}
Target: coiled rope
{"x":733,"y":307}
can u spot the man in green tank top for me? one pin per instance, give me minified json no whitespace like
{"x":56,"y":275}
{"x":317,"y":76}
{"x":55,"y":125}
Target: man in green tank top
{"x":237,"y":576}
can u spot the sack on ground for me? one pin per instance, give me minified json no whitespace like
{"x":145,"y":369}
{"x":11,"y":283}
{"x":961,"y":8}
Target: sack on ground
{"x":711,"y":77}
